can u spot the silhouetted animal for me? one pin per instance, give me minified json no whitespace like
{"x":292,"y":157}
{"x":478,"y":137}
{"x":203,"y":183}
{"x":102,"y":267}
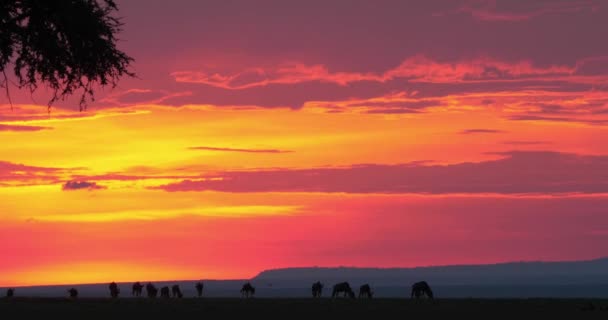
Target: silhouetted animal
{"x":164,"y":292}
{"x":10,"y":293}
{"x":151,"y":290}
{"x":73,"y":293}
{"x":421,"y":289}
{"x":589,"y":307}
{"x":248,"y":290}
{"x":114,"y":291}
{"x":365,"y":291}
{"x":343,"y":287}
{"x":136,"y":289}
{"x":176,"y":291}
{"x":199,"y":288}
{"x":317,"y":289}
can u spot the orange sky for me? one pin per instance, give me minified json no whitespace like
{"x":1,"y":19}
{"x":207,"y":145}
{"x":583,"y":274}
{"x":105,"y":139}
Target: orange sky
{"x":221,"y":163}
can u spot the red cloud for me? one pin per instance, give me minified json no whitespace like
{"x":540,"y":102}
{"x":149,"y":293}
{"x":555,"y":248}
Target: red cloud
{"x":21,"y":174}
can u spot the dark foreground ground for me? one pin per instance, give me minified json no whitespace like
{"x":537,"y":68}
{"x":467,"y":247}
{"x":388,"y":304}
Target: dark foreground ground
{"x":325,"y":308}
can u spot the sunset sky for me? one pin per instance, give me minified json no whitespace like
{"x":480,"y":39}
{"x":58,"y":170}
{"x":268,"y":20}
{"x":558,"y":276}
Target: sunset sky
{"x":268,"y":134}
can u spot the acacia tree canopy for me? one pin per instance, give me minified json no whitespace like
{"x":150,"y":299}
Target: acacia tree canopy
{"x":69,"y":45}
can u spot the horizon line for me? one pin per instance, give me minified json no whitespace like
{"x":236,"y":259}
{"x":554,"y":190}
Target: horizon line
{"x":309,"y":267}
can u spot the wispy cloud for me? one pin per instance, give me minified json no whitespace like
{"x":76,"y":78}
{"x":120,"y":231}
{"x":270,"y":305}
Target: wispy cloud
{"x":513,"y":11}
{"x":525,"y":142}
{"x":10,"y":127}
{"x":599,"y":122}
{"x":159,"y":214}
{"x":417,"y":68}
{"x":21,"y":174}
{"x":142,"y":96}
{"x":222,"y":149}
{"x":474,"y":131}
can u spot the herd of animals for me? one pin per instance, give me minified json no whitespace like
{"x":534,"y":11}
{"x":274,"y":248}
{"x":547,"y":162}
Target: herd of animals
{"x":419,"y":290}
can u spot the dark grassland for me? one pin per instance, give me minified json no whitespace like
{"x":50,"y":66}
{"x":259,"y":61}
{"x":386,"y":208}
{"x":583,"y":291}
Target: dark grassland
{"x":285,"y":308}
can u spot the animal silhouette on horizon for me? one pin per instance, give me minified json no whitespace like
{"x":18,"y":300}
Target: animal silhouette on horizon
{"x":114,"y":291}
{"x":343,"y":287}
{"x":73,"y":293}
{"x":199,"y":288}
{"x":176,"y":291}
{"x":151,"y":290}
{"x":588,"y":307}
{"x":136,"y":289}
{"x":164,"y":292}
{"x":317,"y":289}
{"x":365,"y":291}
{"x":10,"y":293}
{"x":420,"y":289}
{"x":247,"y":290}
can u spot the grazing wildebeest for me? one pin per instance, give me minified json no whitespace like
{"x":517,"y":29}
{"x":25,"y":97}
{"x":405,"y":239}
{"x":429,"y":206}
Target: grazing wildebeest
{"x":10,"y":293}
{"x":151,"y":290}
{"x":199,"y":288}
{"x":73,"y":293}
{"x":343,"y":287}
{"x":248,"y":290}
{"x":588,"y":307}
{"x":365,"y":291}
{"x":114,"y":291}
{"x":176,"y":291}
{"x":164,"y":292}
{"x":420,"y":289}
{"x":317,"y":289}
{"x":136,"y":289}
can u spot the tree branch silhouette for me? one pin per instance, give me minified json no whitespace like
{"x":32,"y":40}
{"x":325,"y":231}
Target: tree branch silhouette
{"x":69,"y":45}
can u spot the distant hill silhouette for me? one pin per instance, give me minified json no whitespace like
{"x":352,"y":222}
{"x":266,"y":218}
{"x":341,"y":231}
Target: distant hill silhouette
{"x":512,"y":273}
{"x":567,"y":279}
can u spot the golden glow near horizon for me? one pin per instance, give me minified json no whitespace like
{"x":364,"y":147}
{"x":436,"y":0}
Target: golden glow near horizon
{"x":129,"y":155}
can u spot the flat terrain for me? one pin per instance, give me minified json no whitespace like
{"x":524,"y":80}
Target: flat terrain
{"x":324,"y":308}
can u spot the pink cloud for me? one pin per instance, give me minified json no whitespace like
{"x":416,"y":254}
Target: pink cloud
{"x":423,"y":69}
{"x":141,"y":96}
{"x":580,"y":106}
{"x":415,"y":69}
{"x":518,"y":172}
{"x":291,"y":73}
{"x":511,"y":11}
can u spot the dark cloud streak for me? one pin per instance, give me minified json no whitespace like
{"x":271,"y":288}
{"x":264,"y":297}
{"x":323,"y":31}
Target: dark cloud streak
{"x":80,"y":185}
{"x":518,"y":172}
